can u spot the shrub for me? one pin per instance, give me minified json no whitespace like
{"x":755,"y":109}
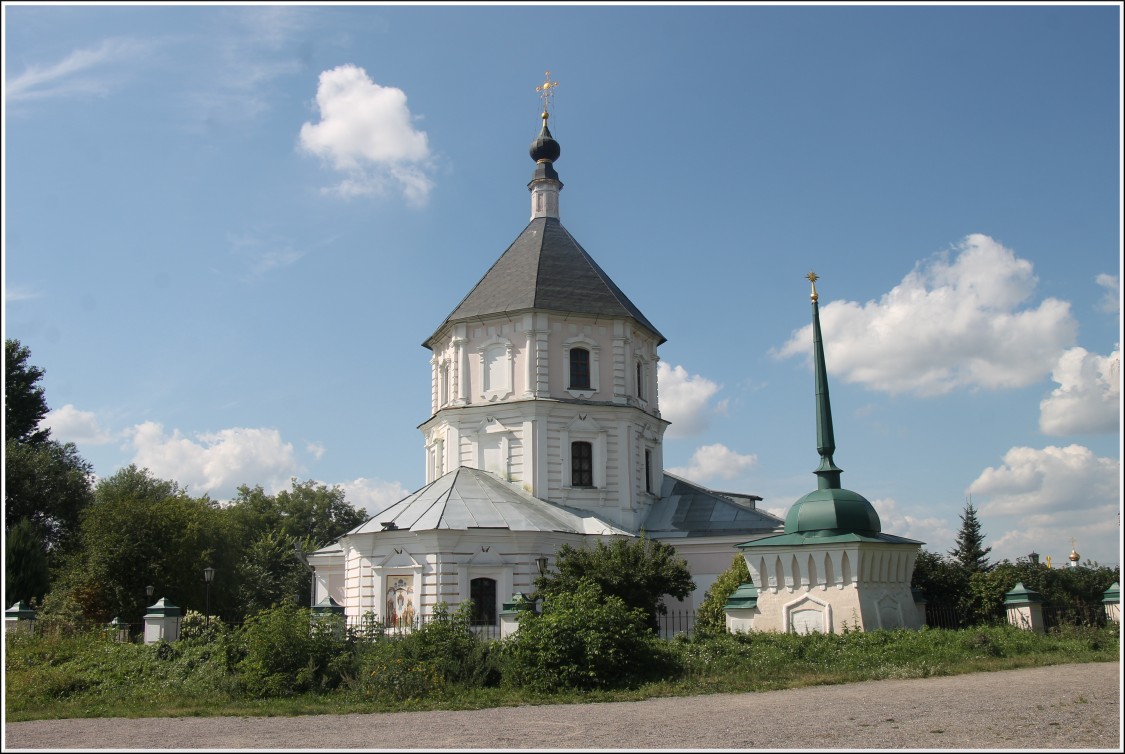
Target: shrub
{"x":711,"y":617}
{"x":288,"y":651}
{"x":583,"y":640}
{"x":195,"y":627}
{"x":640,"y":571}
{"x":442,"y":653}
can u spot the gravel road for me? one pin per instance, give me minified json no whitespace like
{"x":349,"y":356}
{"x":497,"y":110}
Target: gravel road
{"x":1074,"y":706}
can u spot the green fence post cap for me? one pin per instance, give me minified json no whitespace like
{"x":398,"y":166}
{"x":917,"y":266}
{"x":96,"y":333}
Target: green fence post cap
{"x":1020,"y":594}
{"x":20,"y":611}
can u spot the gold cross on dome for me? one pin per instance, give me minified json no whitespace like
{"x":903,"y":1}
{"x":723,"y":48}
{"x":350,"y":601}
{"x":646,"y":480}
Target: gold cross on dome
{"x":546,"y":90}
{"x":812,"y":277}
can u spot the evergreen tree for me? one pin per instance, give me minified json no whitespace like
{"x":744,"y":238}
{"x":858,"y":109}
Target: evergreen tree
{"x":969,"y":552}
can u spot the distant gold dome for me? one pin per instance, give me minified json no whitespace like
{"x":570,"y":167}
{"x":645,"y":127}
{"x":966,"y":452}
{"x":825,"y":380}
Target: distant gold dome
{"x":1074,"y":556}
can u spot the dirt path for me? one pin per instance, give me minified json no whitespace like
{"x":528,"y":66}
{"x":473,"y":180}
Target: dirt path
{"x":1058,"y":707}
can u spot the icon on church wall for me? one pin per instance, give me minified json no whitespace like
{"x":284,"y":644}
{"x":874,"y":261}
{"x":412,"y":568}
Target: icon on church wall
{"x":400,"y":601}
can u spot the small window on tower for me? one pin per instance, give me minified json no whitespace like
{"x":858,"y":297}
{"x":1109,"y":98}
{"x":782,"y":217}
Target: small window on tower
{"x":648,"y":470}
{"x":640,"y":381}
{"x":581,"y":464}
{"x":579,"y":369}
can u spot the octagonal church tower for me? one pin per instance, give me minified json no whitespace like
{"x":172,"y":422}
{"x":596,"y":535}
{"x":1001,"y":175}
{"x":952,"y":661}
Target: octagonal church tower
{"x":545,"y":373}
{"x":833,"y":566}
{"x":544,"y":430}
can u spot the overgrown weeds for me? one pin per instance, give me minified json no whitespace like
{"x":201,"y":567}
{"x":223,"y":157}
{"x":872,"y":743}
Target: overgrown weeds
{"x":278,"y":665}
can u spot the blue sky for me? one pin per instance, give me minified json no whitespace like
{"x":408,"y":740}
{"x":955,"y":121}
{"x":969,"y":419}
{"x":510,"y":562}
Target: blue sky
{"x":228,"y":230}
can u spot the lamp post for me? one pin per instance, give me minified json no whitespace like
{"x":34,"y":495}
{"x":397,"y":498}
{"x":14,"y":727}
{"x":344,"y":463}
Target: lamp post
{"x":148,"y":593}
{"x":208,"y":577}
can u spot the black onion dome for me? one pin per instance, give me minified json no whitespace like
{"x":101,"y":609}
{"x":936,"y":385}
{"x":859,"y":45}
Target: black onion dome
{"x":545,"y":147}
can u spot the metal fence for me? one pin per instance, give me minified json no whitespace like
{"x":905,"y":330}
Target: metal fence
{"x":676,"y":624}
{"x":369,"y":627}
{"x":944,"y":616}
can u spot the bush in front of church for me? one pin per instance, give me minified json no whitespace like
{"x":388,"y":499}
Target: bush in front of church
{"x":711,"y":618}
{"x":285,"y":651}
{"x":583,"y":640}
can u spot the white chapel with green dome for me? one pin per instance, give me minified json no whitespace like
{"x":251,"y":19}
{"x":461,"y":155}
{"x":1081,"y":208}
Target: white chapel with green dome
{"x":833,"y":568}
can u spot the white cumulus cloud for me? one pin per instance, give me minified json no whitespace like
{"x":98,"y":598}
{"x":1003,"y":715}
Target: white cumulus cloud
{"x":960,"y":323}
{"x":366,"y":132}
{"x":216,"y":463}
{"x":937,"y":534}
{"x":1054,"y":480}
{"x":373,"y":495}
{"x":1088,"y":398}
{"x":713,"y":462}
{"x":68,"y":424}
{"x":685,"y":400}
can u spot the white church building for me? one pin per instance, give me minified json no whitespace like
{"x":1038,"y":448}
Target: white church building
{"x":544,"y":428}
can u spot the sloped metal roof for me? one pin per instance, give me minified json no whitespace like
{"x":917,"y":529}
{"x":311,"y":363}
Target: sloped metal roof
{"x":467,"y":498}
{"x":546,"y":268}
{"x":688,"y":509}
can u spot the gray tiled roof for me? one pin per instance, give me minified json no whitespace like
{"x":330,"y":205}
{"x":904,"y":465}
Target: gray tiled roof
{"x":545,"y":268}
{"x":467,"y":498}
{"x":688,"y":509}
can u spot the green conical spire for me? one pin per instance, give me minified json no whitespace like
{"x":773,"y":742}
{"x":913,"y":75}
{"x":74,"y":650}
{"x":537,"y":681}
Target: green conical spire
{"x":828,"y":475}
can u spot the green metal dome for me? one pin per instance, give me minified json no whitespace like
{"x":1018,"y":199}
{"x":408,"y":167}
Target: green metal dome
{"x":832,"y":511}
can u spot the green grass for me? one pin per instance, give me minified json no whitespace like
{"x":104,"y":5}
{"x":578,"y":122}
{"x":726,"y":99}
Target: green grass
{"x":92,"y":676}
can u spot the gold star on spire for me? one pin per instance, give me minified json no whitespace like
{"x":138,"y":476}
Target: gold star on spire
{"x":812,"y":278}
{"x":546,"y":91}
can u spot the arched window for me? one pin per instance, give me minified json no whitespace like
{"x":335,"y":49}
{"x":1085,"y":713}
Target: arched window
{"x":483,"y":593}
{"x":579,"y":369}
{"x":581,"y":464}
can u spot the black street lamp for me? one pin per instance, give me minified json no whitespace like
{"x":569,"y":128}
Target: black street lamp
{"x":148,"y":593}
{"x":208,"y":577}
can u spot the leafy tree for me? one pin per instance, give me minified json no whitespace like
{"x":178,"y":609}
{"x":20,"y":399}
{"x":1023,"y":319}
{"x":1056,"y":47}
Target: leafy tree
{"x":270,"y":573}
{"x":144,"y":531}
{"x":308,"y":511}
{"x":25,"y":564}
{"x":639,"y":571}
{"x":48,"y":484}
{"x":942,"y":581}
{"x":45,"y":482}
{"x":969,"y":550}
{"x":1075,"y":591}
{"x":25,"y":403}
{"x":711,"y":618}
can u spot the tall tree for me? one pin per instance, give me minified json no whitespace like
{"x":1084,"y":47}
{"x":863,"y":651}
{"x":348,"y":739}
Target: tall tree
{"x":309,"y":512}
{"x":25,"y":564}
{"x":45,"y":482}
{"x":145,"y":531}
{"x":969,"y":551}
{"x":48,"y":484}
{"x":25,"y":403}
{"x":640,"y":571}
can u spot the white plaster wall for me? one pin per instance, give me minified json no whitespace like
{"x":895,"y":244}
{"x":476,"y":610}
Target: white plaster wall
{"x":443,"y":564}
{"x":865,"y":585}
